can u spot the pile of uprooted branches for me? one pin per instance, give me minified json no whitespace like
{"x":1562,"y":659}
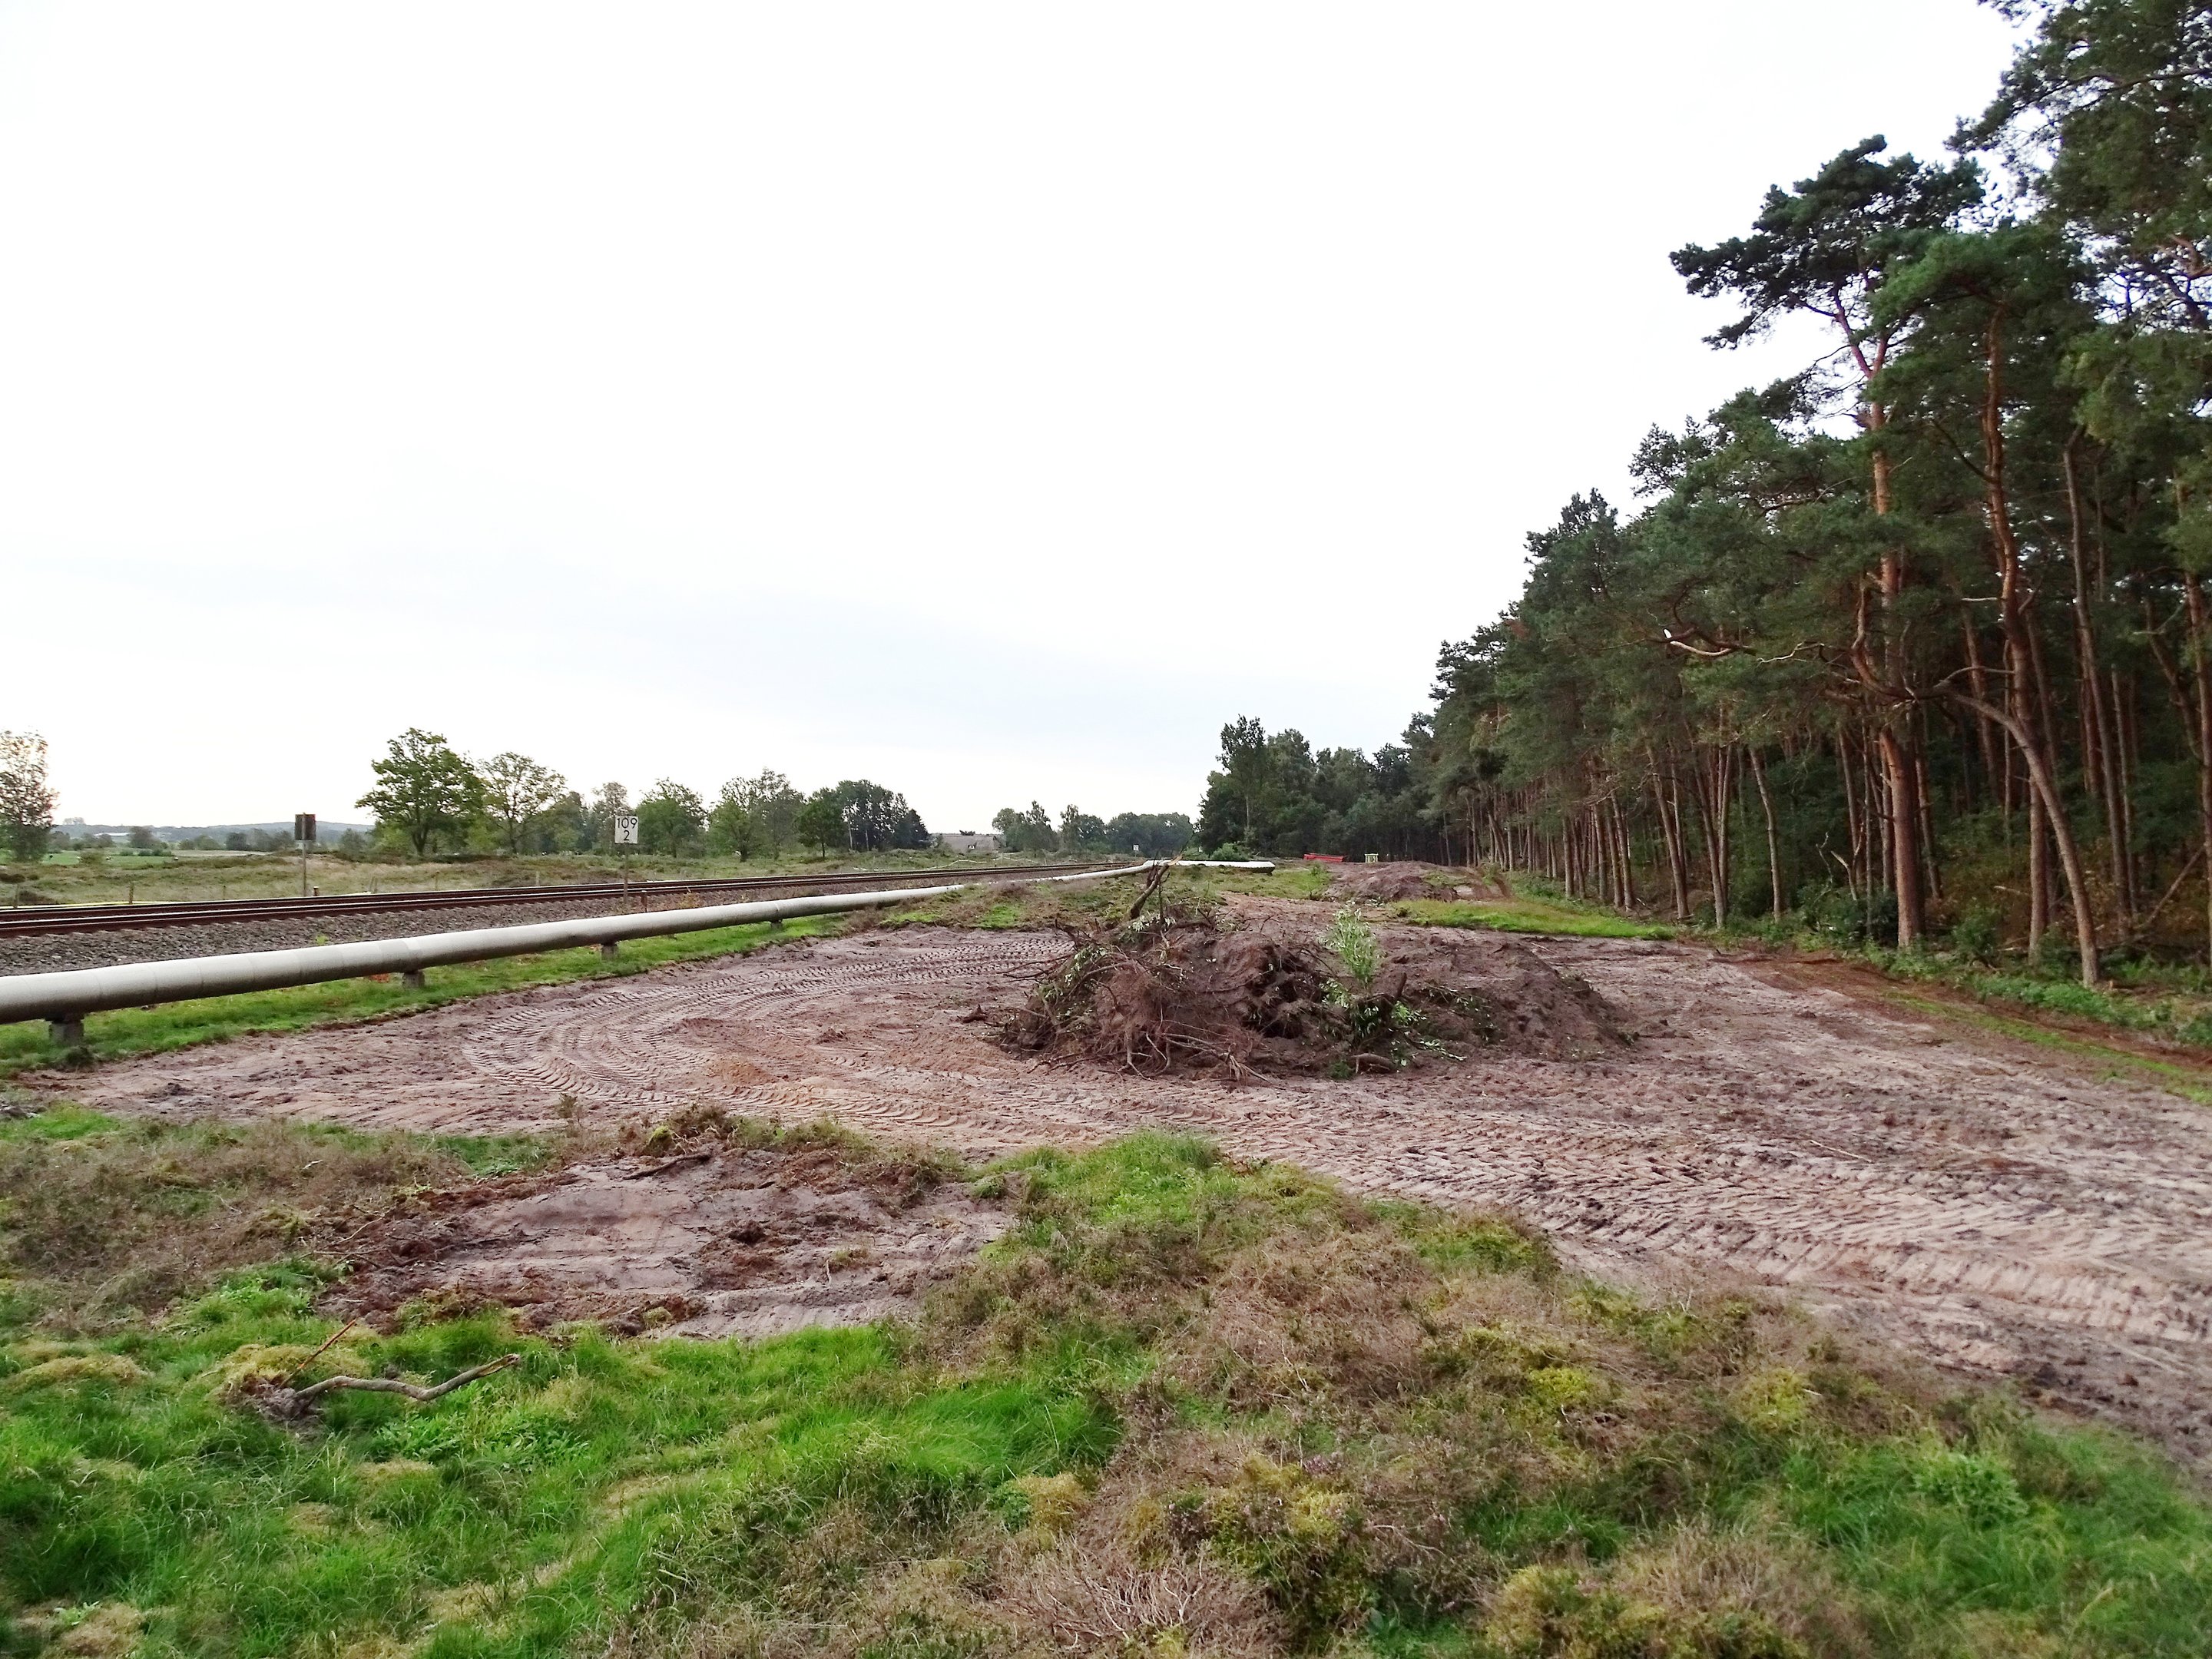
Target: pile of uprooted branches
{"x":1170,"y":989}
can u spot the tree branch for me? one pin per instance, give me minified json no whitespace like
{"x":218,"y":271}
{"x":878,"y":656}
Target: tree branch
{"x":393,"y":1385}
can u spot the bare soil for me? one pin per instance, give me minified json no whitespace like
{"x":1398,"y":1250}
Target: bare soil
{"x":717,"y":1240}
{"x":2006,"y":1209}
{"x":1406,"y":879}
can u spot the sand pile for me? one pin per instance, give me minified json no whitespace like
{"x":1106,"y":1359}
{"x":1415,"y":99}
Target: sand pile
{"x":1187,"y":993}
{"x":1380,"y":882}
{"x":1383,"y":884}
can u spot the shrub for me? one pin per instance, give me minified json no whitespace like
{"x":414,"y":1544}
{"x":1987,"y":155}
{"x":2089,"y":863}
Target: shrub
{"x":1975,"y":936}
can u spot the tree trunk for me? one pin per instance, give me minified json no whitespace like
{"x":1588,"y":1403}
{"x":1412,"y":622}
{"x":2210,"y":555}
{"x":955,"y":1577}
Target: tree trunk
{"x":1927,"y":823}
{"x":2046,"y":789}
{"x":2024,"y":654}
{"x":1899,"y":759}
{"x":1978,"y":681}
{"x":1628,"y":856}
{"x":2201,"y":666}
{"x":1766,"y":806}
{"x":1854,"y":825}
{"x":2100,"y":739}
{"x":2038,"y":881}
{"x":1722,"y":790}
{"x":1903,"y":846}
{"x":2127,"y":726}
{"x":1670,"y":837}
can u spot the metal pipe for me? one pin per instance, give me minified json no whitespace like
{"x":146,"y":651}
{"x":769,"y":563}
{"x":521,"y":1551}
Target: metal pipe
{"x":81,"y":918}
{"x":67,"y":997}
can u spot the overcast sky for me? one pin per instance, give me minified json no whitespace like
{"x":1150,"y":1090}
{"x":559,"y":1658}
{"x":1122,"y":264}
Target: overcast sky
{"x":991,"y":400}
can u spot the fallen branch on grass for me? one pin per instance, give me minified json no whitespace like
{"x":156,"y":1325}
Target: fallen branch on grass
{"x":328,"y":1343}
{"x":393,"y":1385}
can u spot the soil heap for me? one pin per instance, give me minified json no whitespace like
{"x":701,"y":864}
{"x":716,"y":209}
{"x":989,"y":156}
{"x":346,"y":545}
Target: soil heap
{"x":1410,"y":878}
{"x":1186,"y":993}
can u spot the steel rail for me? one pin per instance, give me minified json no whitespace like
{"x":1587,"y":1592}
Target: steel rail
{"x":66,"y":996}
{"x":115,"y":917}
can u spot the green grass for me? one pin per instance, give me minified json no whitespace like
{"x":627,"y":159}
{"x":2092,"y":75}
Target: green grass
{"x":250,"y":1540}
{"x":2189,"y":1082}
{"x":1527,"y":915}
{"x":212,"y":1019}
{"x":1294,"y":878}
{"x":1397,"y":1431}
{"x":481,"y":1155}
{"x":2143,"y":1001}
{"x":1379,"y":1428}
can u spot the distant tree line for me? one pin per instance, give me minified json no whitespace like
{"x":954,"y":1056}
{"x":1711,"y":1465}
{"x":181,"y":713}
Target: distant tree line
{"x":1152,"y":835}
{"x":428,"y":796}
{"x":1916,"y":640}
{"x":1272,"y":792}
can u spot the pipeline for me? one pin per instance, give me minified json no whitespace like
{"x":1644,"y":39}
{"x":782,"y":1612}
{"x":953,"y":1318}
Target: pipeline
{"x":64,"y":999}
{"x":44,"y":919}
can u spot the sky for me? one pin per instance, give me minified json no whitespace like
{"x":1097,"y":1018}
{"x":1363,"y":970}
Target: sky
{"x":988,"y":400}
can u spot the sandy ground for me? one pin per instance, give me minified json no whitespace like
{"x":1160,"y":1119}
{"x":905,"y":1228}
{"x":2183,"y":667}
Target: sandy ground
{"x":2006,"y":1209}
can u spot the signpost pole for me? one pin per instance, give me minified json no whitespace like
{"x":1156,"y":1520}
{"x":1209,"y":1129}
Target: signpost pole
{"x":625,"y":836}
{"x":303,"y":831}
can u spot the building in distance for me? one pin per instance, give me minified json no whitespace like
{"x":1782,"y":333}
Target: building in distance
{"x":966,"y":841}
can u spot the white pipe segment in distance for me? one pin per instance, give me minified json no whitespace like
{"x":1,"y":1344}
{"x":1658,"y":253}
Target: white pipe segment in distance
{"x":75,"y":993}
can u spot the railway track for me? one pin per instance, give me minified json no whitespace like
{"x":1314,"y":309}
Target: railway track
{"x":647,"y":895}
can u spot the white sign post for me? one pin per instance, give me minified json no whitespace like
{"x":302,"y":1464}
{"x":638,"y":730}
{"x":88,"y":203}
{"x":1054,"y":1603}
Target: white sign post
{"x":625,"y":836}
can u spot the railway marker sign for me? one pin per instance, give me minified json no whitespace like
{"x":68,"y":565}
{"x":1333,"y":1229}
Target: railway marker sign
{"x":303,"y":831}
{"x":625,"y":831}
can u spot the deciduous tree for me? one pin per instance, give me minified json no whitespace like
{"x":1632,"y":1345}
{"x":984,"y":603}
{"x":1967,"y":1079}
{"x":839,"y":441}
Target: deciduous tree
{"x":671,"y":819}
{"x":517,"y":789}
{"x":424,"y":789}
{"x":27,"y":798}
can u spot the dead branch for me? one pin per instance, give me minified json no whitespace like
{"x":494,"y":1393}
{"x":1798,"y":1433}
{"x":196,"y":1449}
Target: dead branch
{"x":2146,"y":924}
{"x":1153,"y":883}
{"x":329,"y":1342}
{"x":662,"y":1168}
{"x":393,"y":1385}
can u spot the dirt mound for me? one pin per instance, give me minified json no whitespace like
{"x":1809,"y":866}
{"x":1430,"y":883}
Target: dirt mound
{"x":1183,"y":994}
{"x":1411,"y":879}
{"x":1538,"y":1010}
